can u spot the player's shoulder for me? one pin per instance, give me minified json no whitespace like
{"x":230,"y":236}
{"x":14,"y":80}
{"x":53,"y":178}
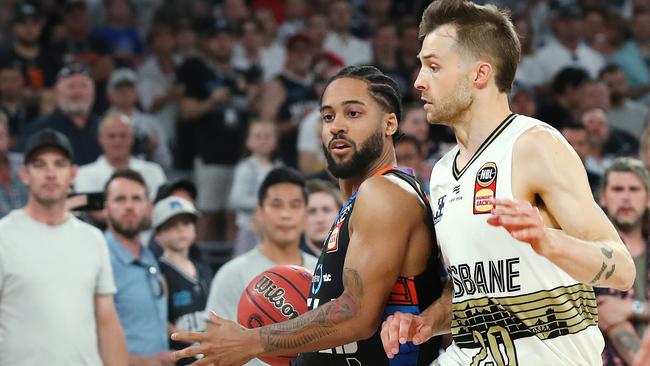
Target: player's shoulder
{"x":387,"y":191}
{"x":539,"y":138}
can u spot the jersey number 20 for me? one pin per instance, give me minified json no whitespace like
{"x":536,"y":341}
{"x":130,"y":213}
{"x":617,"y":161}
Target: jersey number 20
{"x":492,"y":347}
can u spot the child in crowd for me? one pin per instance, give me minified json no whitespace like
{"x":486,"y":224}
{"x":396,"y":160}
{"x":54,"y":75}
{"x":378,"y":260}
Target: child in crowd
{"x":188,"y":281}
{"x":261,"y":143}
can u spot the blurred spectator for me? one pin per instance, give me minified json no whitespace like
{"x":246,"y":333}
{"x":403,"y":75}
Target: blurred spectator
{"x":564,"y":105}
{"x":116,"y":139}
{"x":311,"y":159}
{"x":151,"y":141}
{"x":14,"y":101}
{"x":409,"y":155}
{"x":644,"y":146}
{"x":528,"y":74}
{"x":567,"y":48}
{"x":35,"y":62}
{"x":352,"y":50}
{"x":102,"y":66}
{"x":74,"y":93}
{"x":188,"y":281}
{"x":214,"y":106}
{"x":62,"y":291}
{"x":385,"y":46}
{"x":76,"y":45}
{"x":156,"y":77}
{"x":281,"y":215}
{"x":624,"y":113}
{"x":409,"y":45}
{"x":295,"y":12}
{"x":119,"y":31}
{"x":605,"y":142}
{"x":576,"y":135}
{"x":234,"y":12}
{"x":316,"y":30}
{"x":623,"y":315}
{"x":141,"y":297}
{"x":522,"y":101}
{"x":372,"y":15}
{"x":13,"y":193}
{"x":247,"y":53}
{"x":594,"y":94}
{"x":324,"y":200}
{"x":430,"y":137}
{"x":633,"y":56}
{"x":290,"y":96}
{"x":186,"y":39}
{"x":249,"y":174}
{"x":273,"y":53}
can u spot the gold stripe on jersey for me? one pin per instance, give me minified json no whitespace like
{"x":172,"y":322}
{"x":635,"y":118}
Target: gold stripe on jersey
{"x":545,"y":314}
{"x":506,"y":122}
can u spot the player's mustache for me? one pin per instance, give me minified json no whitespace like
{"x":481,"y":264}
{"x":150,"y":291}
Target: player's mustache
{"x":340,"y":136}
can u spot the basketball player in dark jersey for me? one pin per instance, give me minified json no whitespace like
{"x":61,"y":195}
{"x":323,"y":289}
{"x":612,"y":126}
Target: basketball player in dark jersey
{"x":380,"y":255}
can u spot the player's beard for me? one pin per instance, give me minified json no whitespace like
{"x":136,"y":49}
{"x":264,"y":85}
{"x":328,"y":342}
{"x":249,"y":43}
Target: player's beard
{"x":448,"y":109}
{"x":360,"y":160}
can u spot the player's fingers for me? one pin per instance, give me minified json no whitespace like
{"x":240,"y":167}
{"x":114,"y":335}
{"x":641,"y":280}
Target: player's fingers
{"x":188,"y":337}
{"x":393,"y":335}
{"x":189,"y":352}
{"x":423,"y":334}
{"x":213,"y":318}
{"x":405,"y":328}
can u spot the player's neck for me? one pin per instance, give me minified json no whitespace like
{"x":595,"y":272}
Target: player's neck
{"x":350,"y":185}
{"x":479,"y":122}
{"x":281,"y":255}
{"x":50,"y":215}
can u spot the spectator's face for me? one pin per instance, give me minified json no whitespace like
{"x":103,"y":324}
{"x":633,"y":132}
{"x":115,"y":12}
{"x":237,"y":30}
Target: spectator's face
{"x":617,"y":85}
{"x":12,"y":84}
{"x":641,"y":27}
{"x":164,"y":42}
{"x":251,"y":38}
{"x":415,"y":124}
{"x":4,"y":136}
{"x":595,"y":122}
{"x":74,"y":94}
{"x":268,"y":21}
{"x":568,"y":29}
{"x":340,"y":16}
{"x":282,"y":215}
{"x":116,"y":138}
{"x":354,"y":128}
{"x":593,"y":25}
{"x":235,"y":10}
{"x":409,"y":42}
{"x":523,"y":103}
{"x":219,"y":46}
{"x":295,"y":9}
{"x":127,"y":207}
{"x":178,"y":233}
{"x":594,"y":95}
{"x":300,"y":58}
{"x":578,"y":139}
{"x":625,"y":199}
{"x":317,"y":28}
{"x":123,"y":96}
{"x":407,"y":155}
{"x":28,"y":30}
{"x":444,"y":78}
{"x":386,"y":40}
{"x":76,"y":20}
{"x":48,"y":176}
{"x":262,"y":139}
{"x":118,"y":11}
{"x":322,"y":210}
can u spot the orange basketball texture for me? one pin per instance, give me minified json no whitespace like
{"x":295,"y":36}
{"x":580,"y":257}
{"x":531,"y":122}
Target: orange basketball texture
{"x":274,"y":296}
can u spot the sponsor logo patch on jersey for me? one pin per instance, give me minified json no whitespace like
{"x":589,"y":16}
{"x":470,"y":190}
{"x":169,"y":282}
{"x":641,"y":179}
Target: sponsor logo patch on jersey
{"x":333,"y":242}
{"x":485,"y":188}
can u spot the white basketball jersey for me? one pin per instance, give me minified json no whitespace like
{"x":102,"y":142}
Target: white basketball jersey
{"x":510,"y":305}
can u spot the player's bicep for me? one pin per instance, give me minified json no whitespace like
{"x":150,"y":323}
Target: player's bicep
{"x":558,"y":177}
{"x":380,"y":228}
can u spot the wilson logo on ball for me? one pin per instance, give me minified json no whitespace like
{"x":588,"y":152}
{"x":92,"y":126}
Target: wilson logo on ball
{"x":275,"y":295}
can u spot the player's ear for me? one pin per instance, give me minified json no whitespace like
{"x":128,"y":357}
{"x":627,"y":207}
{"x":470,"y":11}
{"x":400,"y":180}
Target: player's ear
{"x":483,"y":71}
{"x":390,"y":124}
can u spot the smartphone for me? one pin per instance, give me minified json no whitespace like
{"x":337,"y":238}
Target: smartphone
{"x":88,"y":201}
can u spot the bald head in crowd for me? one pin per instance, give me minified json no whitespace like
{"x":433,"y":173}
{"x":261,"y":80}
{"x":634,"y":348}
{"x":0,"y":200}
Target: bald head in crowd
{"x":116,"y":138}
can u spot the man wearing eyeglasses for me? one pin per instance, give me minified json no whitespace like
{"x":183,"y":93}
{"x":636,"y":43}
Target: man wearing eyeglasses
{"x":141,"y":298}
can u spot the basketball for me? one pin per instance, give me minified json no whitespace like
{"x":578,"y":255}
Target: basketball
{"x":274,"y":296}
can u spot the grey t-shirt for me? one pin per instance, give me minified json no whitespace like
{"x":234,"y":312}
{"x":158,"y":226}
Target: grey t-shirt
{"x":231,"y":281}
{"x":49,"y":276}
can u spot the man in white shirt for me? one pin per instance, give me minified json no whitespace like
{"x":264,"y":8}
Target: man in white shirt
{"x":339,"y":40}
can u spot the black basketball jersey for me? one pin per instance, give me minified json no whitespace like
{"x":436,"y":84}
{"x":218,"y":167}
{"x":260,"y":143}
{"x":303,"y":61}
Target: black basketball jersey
{"x":409,"y":295}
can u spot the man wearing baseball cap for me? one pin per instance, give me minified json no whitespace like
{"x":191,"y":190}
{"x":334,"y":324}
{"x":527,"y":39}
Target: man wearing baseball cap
{"x":188,"y":281}
{"x":55,"y":275}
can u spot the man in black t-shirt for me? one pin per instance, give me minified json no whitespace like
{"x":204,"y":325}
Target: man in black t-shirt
{"x":214,"y":121}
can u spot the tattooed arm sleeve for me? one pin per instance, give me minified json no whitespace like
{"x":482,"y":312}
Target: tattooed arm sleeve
{"x":625,"y":340}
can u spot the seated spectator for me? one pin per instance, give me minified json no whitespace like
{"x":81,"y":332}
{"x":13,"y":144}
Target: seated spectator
{"x":119,"y":32}
{"x":632,"y":57}
{"x":150,"y":139}
{"x":281,"y":218}
{"x":141,"y":297}
{"x":15,"y":102}
{"x":116,"y":139}
{"x":188,"y":281}
{"x":624,"y":113}
{"x":339,"y":40}
{"x":576,"y":134}
{"x":409,"y":154}
{"x":324,"y":201}
{"x":249,"y":174}
{"x":13,"y":192}
{"x":566,"y":95}
{"x":74,"y":94}
{"x":594,"y":94}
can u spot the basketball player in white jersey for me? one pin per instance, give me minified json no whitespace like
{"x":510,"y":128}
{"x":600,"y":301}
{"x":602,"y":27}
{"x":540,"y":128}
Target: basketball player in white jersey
{"x":519,"y":231}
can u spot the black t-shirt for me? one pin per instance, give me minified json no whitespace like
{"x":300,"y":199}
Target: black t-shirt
{"x":40,"y":72}
{"x":218,"y":136}
{"x":186,"y":299}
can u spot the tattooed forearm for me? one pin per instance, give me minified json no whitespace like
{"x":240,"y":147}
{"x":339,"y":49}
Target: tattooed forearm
{"x":318,"y":323}
{"x":626,"y":342}
{"x":596,"y":279}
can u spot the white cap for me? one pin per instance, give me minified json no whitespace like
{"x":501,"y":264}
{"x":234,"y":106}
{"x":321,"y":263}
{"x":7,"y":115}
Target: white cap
{"x":170,"y":207}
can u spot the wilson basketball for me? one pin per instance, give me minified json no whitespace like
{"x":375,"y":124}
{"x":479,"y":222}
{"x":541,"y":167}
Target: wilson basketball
{"x":274,"y":296}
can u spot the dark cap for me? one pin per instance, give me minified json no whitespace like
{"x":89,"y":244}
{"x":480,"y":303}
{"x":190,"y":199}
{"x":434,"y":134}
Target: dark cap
{"x":25,"y":10}
{"x":211,"y":28}
{"x":69,"y":4}
{"x":47,"y":138}
{"x":73,"y":69}
{"x":166,"y":189}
